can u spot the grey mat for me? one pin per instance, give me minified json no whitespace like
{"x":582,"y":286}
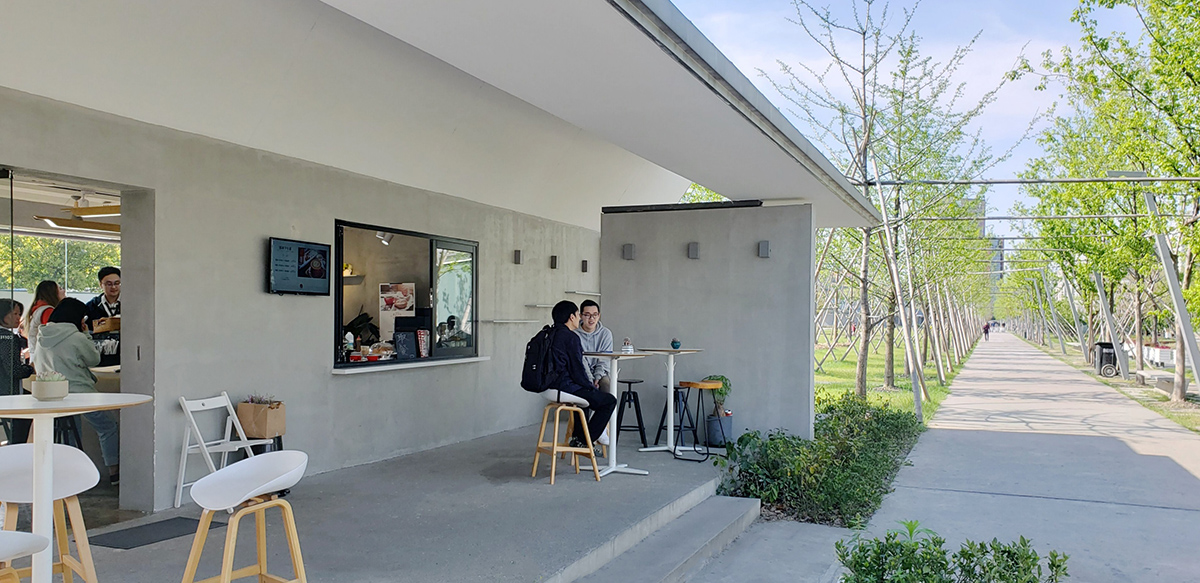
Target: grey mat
{"x":147,"y":534}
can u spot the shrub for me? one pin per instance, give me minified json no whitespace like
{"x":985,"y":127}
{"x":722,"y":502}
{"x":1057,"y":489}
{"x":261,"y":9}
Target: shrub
{"x":840,"y":476}
{"x":917,"y":555}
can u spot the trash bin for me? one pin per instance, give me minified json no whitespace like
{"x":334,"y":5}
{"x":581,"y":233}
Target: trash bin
{"x":1105,"y":358}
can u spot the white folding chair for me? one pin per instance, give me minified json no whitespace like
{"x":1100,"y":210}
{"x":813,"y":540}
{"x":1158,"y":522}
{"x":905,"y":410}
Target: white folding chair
{"x":224,"y":445}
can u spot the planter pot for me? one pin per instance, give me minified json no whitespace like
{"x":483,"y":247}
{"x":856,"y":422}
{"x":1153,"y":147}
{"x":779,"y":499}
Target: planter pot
{"x":718,"y":429}
{"x":50,"y":390}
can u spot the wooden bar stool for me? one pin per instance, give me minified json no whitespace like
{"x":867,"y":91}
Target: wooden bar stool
{"x":629,"y":398}
{"x":560,"y":402}
{"x":74,"y":473}
{"x":14,"y":545}
{"x":254,"y":485}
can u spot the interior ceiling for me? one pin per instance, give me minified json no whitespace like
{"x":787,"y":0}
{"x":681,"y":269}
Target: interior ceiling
{"x":43,"y":197}
{"x":589,"y":64}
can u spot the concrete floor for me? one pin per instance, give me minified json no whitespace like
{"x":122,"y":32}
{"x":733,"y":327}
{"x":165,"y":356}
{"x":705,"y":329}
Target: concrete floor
{"x":1026,"y":445}
{"x":464,"y":512}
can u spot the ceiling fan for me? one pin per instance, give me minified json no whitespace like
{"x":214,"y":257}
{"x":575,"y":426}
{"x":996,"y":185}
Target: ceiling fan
{"x":81,"y":208}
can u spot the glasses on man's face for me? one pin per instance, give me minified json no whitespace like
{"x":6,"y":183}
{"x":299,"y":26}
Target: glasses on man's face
{"x":590,"y":315}
{"x":112,"y":284}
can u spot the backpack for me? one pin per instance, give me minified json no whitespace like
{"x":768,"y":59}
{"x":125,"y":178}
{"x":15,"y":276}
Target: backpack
{"x":537,"y":374}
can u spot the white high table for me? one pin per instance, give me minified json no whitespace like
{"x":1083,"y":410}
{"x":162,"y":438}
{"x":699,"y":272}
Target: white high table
{"x":615,"y":358}
{"x":43,"y":414}
{"x":670,"y":353}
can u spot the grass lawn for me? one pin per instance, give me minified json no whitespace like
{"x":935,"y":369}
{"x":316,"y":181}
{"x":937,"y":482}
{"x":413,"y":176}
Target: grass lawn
{"x":1186,"y":414}
{"x":837,"y":377}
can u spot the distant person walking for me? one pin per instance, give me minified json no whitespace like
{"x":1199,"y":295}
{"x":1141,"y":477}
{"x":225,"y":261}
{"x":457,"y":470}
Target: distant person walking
{"x":986,"y":328}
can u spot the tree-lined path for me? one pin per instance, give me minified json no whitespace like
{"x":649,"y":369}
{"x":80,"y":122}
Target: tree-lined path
{"x":1024,"y":446}
{"x":1027,"y":445}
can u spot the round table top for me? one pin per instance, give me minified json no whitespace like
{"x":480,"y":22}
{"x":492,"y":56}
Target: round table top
{"x":618,"y":355}
{"x":25,"y":406}
{"x":673,"y":350}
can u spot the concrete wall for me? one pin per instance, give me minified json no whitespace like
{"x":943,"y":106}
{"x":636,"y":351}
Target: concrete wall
{"x":753,"y":317}
{"x":197,"y":213}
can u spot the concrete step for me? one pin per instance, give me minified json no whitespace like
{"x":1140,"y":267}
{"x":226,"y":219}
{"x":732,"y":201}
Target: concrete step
{"x":678,"y":550}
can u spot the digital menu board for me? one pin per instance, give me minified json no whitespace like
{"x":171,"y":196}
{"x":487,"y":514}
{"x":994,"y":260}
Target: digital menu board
{"x":297,"y":267}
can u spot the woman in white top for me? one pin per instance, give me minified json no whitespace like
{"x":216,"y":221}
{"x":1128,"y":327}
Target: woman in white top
{"x":45,"y":298}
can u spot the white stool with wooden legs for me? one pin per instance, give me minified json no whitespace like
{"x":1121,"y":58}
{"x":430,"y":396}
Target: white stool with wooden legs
{"x":14,"y":545}
{"x":573,"y":406}
{"x":74,"y":473}
{"x":255,"y":483}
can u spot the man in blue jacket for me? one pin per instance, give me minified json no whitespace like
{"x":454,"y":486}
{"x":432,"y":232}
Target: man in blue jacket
{"x":567,"y":352}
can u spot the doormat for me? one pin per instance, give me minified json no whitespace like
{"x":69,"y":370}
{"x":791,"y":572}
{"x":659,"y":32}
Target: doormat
{"x":148,"y":534}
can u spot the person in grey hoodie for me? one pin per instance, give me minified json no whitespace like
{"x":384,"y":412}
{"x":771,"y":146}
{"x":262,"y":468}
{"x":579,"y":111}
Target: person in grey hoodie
{"x":595,"y":338}
{"x":64,"y":346}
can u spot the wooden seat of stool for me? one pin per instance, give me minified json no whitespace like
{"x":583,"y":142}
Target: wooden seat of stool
{"x":703,"y":385}
{"x":554,"y":447}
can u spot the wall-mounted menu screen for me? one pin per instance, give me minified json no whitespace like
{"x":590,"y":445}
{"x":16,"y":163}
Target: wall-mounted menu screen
{"x":297,"y":267}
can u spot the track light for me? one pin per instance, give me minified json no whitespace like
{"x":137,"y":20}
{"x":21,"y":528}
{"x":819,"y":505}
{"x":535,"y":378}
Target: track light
{"x":385,"y":238}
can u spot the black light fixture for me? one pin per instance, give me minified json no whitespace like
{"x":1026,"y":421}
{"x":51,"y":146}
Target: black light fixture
{"x":584,"y":266}
{"x":517,"y":256}
{"x":554,"y":262}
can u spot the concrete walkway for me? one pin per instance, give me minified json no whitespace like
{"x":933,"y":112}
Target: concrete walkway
{"x":1026,"y":445}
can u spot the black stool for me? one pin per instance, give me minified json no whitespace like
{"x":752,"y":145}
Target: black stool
{"x":66,"y":431}
{"x":629,"y":398}
{"x":681,"y":396}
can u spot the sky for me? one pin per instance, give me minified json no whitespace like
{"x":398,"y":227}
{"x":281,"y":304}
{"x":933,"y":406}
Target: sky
{"x":756,"y":34}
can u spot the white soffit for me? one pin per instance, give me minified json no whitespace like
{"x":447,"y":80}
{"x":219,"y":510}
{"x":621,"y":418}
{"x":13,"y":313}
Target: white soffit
{"x":637,"y":74}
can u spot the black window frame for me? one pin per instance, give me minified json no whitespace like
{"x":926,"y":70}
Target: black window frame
{"x":435,"y":242}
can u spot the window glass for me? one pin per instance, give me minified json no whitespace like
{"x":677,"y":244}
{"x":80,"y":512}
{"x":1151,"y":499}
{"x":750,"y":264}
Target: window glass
{"x":454,"y":298}
{"x":402,"y":296}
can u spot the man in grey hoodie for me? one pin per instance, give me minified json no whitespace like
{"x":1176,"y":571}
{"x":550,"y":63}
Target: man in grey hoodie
{"x":595,"y":338}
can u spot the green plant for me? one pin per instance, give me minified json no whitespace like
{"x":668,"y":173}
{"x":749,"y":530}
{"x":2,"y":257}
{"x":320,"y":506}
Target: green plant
{"x":260,"y":399}
{"x":50,"y":376}
{"x":918,"y":555}
{"x":839,"y":477}
{"x":719,"y":395}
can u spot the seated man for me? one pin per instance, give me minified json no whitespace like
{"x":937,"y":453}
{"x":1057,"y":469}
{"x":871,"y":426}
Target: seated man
{"x":567,"y":353}
{"x":595,"y":338}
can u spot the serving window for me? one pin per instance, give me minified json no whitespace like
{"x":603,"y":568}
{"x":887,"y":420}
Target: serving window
{"x":402,"y":296}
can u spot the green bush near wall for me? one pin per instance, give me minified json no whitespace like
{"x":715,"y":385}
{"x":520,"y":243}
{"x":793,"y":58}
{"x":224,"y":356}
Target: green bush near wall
{"x":837,"y":478}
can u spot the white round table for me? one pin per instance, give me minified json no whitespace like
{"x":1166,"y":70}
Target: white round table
{"x":43,"y":414}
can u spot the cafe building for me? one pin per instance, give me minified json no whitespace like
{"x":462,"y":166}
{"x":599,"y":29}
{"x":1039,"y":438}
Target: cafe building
{"x":365,"y":209}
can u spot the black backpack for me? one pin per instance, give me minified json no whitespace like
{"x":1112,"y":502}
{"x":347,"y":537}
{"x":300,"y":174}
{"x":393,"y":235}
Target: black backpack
{"x":538,"y":372}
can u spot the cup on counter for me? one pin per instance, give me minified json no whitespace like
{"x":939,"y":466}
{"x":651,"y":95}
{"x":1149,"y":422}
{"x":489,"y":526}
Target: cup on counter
{"x":356,"y":357}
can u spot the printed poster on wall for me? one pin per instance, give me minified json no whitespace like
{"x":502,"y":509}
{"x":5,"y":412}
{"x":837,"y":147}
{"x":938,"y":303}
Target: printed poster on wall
{"x":395,"y":299}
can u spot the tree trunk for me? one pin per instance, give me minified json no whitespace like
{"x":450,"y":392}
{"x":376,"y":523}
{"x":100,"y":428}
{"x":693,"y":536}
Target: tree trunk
{"x":889,"y":344}
{"x":1154,"y":329}
{"x":1137,"y":323}
{"x":864,"y":317}
{"x":1179,"y":390}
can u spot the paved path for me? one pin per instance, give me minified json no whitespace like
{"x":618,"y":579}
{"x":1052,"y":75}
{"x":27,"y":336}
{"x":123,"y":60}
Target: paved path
{"x":1026,"y":445}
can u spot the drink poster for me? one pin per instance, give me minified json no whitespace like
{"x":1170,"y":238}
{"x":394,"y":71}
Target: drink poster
{"x":395,"y":299}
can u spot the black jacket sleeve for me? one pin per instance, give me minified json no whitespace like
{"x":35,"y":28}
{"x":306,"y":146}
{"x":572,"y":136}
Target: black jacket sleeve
{"x":568,"y":358}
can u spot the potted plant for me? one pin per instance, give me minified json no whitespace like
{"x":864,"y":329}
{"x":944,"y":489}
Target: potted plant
{"x":719,"y":425}
{"x":50,"y":386}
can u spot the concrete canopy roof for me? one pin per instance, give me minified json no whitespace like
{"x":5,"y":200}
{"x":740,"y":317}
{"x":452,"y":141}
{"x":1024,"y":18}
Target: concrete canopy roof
{"x":637,"y":74}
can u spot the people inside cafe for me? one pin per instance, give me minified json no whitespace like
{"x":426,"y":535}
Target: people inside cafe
{"x":64,"y":347}
{"x":567,"y":352}
{"x":46,"y":297}
{"x":595,"y":338}
{"x":104,"y":316}
{"x":13,"y":368}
